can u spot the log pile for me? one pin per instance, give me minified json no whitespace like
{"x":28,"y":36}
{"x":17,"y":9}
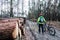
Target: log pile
{"x":6,"y":30}
{"x":9,"y":28}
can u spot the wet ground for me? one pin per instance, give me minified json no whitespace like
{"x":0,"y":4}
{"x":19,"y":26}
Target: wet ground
{"x":32,"y":32}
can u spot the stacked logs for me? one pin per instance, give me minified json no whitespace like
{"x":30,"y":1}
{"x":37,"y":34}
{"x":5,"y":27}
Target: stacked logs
{"x":9,"y":28}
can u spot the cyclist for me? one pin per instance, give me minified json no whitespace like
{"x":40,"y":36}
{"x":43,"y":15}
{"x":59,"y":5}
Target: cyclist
{"x":41,"y":21}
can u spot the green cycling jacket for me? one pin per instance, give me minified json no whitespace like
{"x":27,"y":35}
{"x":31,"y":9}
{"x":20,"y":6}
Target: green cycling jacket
{"x":39,"y":20}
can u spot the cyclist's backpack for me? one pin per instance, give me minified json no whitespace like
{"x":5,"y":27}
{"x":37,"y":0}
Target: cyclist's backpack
{"x":42,"y":20}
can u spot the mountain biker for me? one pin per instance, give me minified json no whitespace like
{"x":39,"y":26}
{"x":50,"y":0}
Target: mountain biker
{"x":41,"y":21}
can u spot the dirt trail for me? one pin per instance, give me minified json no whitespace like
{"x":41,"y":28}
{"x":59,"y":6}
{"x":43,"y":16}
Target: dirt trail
{"x":34,"y":28}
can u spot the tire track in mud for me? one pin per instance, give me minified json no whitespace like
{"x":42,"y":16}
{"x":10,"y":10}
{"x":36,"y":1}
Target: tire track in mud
{"x":57,"y":34}
{"x":31,"y":31}
{"x":33,"y":34}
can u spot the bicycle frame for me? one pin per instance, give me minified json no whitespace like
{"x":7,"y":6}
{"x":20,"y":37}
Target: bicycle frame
{"x":46,"y":27}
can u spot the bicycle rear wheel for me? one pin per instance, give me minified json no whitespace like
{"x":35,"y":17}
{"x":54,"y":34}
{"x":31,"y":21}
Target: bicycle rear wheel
{"x":52,"y":31}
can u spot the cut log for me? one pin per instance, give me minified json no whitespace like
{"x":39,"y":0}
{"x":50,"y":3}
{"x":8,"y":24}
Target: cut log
{"x":15,"y":32}
{"x":9,"y":20}
{"x":8,"y":30}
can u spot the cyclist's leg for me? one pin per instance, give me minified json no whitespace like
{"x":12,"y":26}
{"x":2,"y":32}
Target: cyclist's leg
{"x":42,"y":28}
{"x":39,"y":28}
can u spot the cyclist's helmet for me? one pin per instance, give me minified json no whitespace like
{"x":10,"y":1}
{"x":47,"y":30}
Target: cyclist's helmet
{"x":40,"y":14}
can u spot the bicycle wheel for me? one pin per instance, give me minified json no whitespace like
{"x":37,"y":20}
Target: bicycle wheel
{"x":52,"y":31}
{"x":44,"y":28}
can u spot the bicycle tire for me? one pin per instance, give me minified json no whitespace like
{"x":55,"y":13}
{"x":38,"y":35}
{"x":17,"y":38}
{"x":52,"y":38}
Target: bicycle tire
{"x":52,"y":31}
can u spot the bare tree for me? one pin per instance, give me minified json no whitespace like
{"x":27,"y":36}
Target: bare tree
{"x":11,"y":9}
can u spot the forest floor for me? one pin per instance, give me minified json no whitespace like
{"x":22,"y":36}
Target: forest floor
{"x":55,"y":24}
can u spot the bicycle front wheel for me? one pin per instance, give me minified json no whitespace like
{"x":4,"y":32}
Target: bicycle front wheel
{"x":52,"y":31}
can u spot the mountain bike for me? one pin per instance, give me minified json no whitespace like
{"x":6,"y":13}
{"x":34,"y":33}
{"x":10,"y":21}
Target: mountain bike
{"x":49,"y":29}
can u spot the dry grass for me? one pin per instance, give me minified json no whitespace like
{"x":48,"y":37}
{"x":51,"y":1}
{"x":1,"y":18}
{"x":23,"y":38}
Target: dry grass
{"x":55,"y":24}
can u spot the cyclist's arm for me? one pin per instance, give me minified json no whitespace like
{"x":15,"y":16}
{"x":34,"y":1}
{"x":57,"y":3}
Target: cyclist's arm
{"x":38,"y":20}
{"x":44,"y":20}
